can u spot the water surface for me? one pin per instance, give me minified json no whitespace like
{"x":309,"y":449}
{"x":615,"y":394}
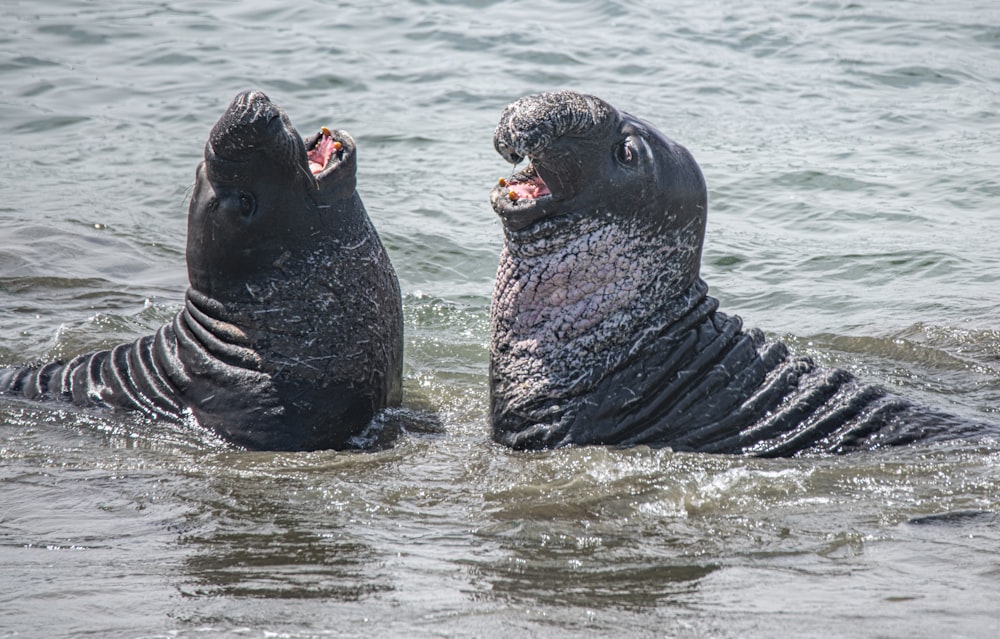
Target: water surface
{"x":851,"y":155}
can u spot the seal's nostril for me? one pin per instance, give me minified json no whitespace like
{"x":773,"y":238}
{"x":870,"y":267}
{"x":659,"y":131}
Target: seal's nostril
{"x":512,"y":156}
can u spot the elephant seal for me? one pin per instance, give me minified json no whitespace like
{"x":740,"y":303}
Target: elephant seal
{"x":291,"y":333}
{"x":602,"y":328}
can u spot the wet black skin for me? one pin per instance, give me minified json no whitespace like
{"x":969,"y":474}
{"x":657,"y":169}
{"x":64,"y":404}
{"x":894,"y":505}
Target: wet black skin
{"x":602,"y":329}
{"x":291,"y":335}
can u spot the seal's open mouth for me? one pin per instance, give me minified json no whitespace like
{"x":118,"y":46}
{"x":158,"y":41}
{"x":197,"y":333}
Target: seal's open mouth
{"x":324,"y":150}
{"x":526,"y":185}
{"x":535,"y":194}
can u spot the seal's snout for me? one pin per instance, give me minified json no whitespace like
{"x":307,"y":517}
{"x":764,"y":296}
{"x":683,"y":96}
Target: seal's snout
{"x":248,"y":120}
{"x":253,"y":125}
{"x":530,"y":125}
{"x":251,"y":97}
{"x":253,"y":106}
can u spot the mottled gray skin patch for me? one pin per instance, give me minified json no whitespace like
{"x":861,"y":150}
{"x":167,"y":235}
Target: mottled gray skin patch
{"x":291,"y":335}
{"x":602,"y":329}
{"x":562,"y":319}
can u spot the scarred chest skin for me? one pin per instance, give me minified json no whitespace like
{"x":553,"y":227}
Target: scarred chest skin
{"x":569,"y":307}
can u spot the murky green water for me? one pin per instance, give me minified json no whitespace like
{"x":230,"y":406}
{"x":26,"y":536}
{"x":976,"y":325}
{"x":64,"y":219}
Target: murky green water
{"x":851,"y":155}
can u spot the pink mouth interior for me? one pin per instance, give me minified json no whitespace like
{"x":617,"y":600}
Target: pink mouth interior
{"x":319,"y":156}
{"x":533,"y":188}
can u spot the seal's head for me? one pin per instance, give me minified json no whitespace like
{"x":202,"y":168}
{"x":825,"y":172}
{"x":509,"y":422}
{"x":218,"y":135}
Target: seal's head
{"x":588,"y":160}
{"x":258,"y":192}
{"x":602,"y":243}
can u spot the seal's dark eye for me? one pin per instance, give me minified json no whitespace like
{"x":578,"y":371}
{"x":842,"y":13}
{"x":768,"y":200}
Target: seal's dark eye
{"x":247,"y":204}
{"x":626,"y":153}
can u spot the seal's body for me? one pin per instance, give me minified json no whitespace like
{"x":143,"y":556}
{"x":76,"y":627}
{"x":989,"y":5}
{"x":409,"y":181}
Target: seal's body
{"x":602,"y":329}
{"x":291,"y":333}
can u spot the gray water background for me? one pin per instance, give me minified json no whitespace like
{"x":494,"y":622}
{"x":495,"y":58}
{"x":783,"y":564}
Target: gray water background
{"x":851,"y":152}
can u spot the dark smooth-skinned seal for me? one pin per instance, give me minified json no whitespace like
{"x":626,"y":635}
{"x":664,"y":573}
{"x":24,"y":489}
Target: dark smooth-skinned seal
{"x":602,"y":328}
{"x":291,"y":335}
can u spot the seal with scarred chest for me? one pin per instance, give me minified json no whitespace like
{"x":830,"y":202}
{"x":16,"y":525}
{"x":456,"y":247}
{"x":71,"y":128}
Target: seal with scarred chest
{"x":602,"y":328}
{"x":291,"y":333}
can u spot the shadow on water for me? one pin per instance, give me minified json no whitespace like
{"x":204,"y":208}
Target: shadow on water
{"x":588,"y":529}
{"x":274,"y":556}
{"x":280,"y":527}
{"x":286,"y":525}
{"x":959,"y":518}
{"x":556,"y":570}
